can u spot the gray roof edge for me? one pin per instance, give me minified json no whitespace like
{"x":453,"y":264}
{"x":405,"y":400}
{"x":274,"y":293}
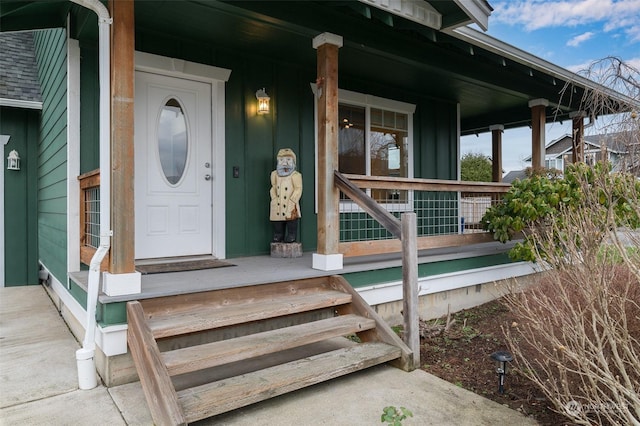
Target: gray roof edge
{"x":499,"y":47}
{"x":17,"y":103}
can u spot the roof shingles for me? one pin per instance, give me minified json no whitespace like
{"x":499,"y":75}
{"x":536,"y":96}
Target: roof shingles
{"x":18,"y":71}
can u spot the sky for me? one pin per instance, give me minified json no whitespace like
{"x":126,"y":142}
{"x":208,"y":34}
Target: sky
{"x":569,"y":33}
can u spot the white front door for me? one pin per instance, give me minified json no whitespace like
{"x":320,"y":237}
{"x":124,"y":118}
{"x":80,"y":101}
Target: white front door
{"x":173,"y":166}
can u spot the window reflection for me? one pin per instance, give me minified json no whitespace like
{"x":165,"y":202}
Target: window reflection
{"x":351,"y":144}
{"x":172,"y":141}
{"x":388,"y":146}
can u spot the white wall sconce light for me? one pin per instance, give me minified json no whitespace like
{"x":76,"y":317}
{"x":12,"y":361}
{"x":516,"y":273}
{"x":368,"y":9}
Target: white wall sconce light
{"x":263,"y":101}
{"x":13,"y":161}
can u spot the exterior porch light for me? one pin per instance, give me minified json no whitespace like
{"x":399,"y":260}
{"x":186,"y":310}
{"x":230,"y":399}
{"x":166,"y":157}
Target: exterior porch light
{"x":13,"y":161}
{"x":263,"y":101}
{"x":501,"y":359}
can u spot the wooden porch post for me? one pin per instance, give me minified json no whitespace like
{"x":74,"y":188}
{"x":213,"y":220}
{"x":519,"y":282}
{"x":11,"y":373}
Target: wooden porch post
{"x":496,"y":152}
{"x":577,"y":119}
{"x":410,"y":288}
{"x":327,"y":258}
{"x":538,"y":121}
{"x":122,"y":278}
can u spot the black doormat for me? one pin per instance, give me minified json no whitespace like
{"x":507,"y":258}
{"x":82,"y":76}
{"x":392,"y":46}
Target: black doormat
{"x":181,"y":266}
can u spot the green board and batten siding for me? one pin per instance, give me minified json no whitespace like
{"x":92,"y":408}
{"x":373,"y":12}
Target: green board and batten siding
{"x":90,"y":104}
{"x":51,"y":55}
{"x":20,"y":221}
{"x":253,"y":141}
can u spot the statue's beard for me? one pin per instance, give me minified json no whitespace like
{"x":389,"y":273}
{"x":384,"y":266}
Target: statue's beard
{"x":284,"y":170}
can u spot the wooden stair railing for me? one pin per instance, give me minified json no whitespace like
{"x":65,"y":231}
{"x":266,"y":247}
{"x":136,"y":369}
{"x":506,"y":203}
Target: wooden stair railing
{"x":404,"y":230}
{"x":200,"y":355}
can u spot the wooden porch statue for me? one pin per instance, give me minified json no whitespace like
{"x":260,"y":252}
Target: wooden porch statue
{"x":286,"y":190}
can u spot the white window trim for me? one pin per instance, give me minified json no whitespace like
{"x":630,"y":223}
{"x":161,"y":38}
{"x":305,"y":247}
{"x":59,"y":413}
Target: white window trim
{"x":73,"y":155}
{"x":4,"y":139}
{"x":369,"y":101}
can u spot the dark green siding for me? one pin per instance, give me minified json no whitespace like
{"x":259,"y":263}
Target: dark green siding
{"x":89,"y":108}
{"x":51,"y":55}
{"x":20,"y":197}
{"x":252,"y":141}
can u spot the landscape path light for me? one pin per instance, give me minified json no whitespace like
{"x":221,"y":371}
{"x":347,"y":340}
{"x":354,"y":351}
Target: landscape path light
{"x":501,"y":358}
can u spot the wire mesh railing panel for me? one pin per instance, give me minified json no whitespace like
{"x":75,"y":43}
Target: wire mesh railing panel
{"x":357,"y":225}
{"x":473,"y":206}
{"x":437,"y":212}
{"x":92,"y":217}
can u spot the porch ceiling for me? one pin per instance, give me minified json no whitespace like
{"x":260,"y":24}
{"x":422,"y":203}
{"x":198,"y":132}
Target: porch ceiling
{"x":389,"y":50}
{"x":386,"y":49}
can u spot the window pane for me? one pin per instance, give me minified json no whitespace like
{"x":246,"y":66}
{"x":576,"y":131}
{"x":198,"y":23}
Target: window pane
{"x":390,"y":153}
{"x":351,"y":144}
{"x":172,"y":141}
{"x":402,"y":121}
{"x":376,"y":117}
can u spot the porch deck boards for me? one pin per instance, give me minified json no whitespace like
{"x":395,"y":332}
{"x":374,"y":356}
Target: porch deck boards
{"x":265,"y":269}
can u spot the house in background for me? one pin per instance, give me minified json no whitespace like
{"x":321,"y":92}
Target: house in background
{"x":151,"y":146}
{"x":514,"y":175}
{"x":20,"y":107}
{"x":619,"y":149}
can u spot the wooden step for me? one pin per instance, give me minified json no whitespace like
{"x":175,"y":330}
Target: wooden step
{"x":225,"y":395}
{"x":248,"y":344}
{"x":186,"y":360}
{"x":231,"y":296}
{"x":207,"y":318}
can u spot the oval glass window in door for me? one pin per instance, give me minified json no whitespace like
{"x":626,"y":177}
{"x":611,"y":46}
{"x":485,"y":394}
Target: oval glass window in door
{"x":173,"y":143}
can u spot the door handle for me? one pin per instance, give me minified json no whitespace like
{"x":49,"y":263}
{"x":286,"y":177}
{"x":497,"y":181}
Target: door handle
{"x":207,"y":177}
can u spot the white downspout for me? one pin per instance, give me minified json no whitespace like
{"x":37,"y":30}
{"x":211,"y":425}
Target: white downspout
{"x":85,"y":356}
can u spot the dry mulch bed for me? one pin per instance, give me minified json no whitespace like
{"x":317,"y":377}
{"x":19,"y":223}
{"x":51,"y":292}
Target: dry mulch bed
{"x":460,"y":355}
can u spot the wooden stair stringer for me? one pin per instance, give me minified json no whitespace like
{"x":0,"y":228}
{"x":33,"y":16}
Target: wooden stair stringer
{"x":382,"y":332}
{"x":158,"y":389}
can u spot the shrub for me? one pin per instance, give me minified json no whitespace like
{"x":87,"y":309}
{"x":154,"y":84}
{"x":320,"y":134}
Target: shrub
{"x":583,"y":318}
{"x":540,"y":202}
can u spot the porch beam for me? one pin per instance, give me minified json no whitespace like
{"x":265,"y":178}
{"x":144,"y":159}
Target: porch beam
{"x":122,"y":119}
{"x":327,"y":257}
{"x":577,"y":120}
{"x":538,"y":122}
{"x":496,"y":152}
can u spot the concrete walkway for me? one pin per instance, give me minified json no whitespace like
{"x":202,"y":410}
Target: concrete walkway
{"x":38,"y":386}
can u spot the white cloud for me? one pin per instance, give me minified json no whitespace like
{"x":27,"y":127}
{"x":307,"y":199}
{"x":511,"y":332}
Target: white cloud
{"x":536,"y":14}
{"x":577,"y":68}
{"x":577,"y":40}
{"x":634,"y":62}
